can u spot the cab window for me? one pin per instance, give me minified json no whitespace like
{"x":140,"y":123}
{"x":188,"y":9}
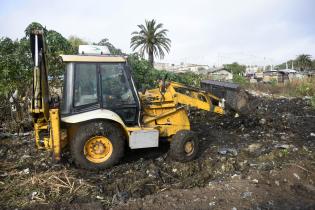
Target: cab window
{"x":85,"y":84}
{"x":115,"y":87}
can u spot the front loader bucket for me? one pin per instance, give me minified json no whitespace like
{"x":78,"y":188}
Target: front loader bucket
{"x":235,"y":97}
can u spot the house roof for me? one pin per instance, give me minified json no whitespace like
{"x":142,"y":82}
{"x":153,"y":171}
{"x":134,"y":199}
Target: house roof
{"x":217,"y":69}
{"x":220,"y":84}
{"x":287,"y":70}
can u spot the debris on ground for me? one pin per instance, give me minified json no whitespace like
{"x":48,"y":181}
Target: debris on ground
{"x":263,"y":160}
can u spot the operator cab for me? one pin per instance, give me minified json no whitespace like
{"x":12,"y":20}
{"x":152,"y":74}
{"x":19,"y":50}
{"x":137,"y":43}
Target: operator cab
{"x":99,"y":82}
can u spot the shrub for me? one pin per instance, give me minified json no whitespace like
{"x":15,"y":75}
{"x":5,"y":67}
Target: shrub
{"x":306,"y":89}
{"x":240,"y":80}
{"x":294,"y":88}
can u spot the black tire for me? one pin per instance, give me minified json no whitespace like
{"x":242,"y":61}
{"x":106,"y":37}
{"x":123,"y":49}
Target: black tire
{"x":178,"y":143}
{"x":97,"y":128}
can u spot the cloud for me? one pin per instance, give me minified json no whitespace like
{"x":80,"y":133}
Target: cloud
{"x":202,"y":31}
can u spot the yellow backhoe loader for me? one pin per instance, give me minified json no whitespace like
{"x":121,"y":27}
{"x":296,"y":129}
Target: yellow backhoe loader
{"x":101,"y":111}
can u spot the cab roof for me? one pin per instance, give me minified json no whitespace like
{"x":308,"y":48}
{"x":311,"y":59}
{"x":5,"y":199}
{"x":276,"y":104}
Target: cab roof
{"x":92,"y":58}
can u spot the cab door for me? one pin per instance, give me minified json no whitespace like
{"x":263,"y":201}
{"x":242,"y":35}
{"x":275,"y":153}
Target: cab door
{"x":118,"y":93}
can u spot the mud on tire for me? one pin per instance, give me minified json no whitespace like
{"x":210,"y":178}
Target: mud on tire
{"x":93,"y":129}
{"x":184,"y":146}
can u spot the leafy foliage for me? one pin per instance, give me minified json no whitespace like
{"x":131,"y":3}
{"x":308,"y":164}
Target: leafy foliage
{"x":146,"y":76}
{"x":152,"y":39}
{"x":304,"y":62}
{"x":34,"y":26}
{"x":235,"y":68}
{"x":15,"y":63}
{"x":75,"y":42}
{"x":112,"y":49}
{"x":240,"y":79}
{"x":56,"y":45}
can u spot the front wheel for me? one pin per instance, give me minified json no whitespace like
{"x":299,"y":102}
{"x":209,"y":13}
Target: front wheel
{"x":97,"y":145}
{"x":184,"y":146}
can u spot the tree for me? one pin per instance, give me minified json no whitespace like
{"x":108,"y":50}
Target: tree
{"x":152,"y":39}
{"x":146,"y":76}
{"x":112,"y":49}
{"x":284,"y":65}
{"x":142,"y":72}
{"x":75,"y":42}
{"x":34,"y":26}
{"x":235,"y":68}
{"x":56,"y":45}
{"x":304,"y":62}
{"x":15,"y":65}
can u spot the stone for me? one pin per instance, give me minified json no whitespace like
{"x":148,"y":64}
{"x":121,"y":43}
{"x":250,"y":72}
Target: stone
{"x":212,"y":203}
{"x":262,"y":121}
{"x":296,"y":176}
{"x":253,"y":147}
{"x":282,"y":146}
{"x":255,"y":181}
{"x":25,"y":171}
{"x":224,"y":151}
{"x":246,"y":194}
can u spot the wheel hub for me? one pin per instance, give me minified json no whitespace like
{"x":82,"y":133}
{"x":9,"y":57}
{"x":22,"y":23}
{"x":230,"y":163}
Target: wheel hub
{"x":98,"y":149}
{"x":189,"y":147}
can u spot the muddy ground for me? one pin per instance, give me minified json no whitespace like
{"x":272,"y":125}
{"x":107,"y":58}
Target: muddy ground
{"x":262,"y":160}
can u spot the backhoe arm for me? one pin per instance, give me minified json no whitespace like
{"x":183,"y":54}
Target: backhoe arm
{"x":46,"y":119}
{"x":40,"y":99}
{"x":196,"y":97}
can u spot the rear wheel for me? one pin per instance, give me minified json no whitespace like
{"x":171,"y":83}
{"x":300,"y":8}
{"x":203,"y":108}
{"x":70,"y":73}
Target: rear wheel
{"x":97,"y":145}
{"x":184,"y":146}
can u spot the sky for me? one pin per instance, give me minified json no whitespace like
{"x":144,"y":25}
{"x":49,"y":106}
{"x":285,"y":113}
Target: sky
{"x":208,"y":32}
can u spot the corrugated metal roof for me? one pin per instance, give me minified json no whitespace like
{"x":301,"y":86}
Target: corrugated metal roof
{"x":220,"y":84}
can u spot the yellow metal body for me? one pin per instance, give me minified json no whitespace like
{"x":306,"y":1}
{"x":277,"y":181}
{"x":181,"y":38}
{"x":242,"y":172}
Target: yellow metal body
{"x":48,"y":135}
{"x":55,"y":136}
{"x":165,"y":108}
{"x":46,"y":119}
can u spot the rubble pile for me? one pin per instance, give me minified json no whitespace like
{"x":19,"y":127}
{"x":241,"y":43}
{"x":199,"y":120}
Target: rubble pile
{"x":262,"y":160}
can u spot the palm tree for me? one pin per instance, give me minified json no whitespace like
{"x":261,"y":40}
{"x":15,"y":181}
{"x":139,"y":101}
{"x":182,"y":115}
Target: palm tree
{"x":304,"y":61}
{"x":151,"y":39}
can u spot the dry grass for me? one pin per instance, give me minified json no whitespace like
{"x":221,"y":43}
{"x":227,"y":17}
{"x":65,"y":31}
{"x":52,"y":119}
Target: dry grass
{"x":295,"y":88}
{"x":50,"y":186}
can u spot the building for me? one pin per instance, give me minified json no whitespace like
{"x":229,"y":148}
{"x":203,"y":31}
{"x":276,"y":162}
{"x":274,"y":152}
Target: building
{"x":281,"y":76}
{"x":196,"y":68}
{"x":219,"y":74}
{"x":164,"y":66}
{"x":253,"y":69}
